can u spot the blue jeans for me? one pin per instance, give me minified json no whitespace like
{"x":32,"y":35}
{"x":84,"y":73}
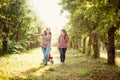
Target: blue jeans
{"x":45,"y":53}
{"x":62,"y":54}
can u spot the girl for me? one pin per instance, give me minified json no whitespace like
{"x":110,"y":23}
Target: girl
{"x":45,"y":44}
{"x":62,"y":45}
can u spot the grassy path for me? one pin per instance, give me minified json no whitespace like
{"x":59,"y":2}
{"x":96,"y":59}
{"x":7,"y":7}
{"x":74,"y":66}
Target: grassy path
{"x":28,"y":66}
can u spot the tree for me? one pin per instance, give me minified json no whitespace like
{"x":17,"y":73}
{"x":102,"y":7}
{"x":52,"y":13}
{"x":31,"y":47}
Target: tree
{"x":96,"y":18}
{"x":81,"y":20}
{"x":17,"y":22}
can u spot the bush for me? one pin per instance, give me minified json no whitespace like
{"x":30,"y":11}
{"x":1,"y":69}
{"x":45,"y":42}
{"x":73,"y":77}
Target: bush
{"x":117,"y":46}
{"x":16,"y":47}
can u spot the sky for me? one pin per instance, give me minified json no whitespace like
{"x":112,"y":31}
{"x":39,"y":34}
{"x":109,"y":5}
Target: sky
{"x":49,"y":13}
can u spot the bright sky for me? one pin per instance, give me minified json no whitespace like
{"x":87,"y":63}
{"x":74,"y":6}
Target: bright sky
{"x":49,"y":12}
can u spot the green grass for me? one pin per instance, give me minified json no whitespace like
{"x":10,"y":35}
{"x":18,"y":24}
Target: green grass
{"x":27,"y":66}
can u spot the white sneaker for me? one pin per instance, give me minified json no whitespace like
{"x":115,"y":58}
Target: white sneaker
{"x":61,"y":63}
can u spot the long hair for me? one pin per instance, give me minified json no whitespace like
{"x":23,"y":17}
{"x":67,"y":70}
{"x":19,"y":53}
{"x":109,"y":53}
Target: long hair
{"x":65,"y":32}
{"x":46,"y":32}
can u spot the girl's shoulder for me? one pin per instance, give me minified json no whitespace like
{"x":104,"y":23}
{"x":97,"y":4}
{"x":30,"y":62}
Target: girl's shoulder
{"x":67,"y":36}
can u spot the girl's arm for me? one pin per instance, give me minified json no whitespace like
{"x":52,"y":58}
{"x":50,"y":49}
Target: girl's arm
{"x":37,"y":34}
{"x":67,"y":39}
{"x":58,"y":41}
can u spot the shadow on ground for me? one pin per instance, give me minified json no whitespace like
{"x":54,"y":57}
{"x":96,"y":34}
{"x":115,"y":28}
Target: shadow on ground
{"x":77,"y":67}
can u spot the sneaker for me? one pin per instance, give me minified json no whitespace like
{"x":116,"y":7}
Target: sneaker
{"x":45,"y":64}
{"x":61,"y":63}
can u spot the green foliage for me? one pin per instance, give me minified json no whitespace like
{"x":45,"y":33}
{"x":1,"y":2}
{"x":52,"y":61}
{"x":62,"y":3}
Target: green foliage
{"x":17,"y":23}
{"x":118,"y":45}
{"x":92,"y":17}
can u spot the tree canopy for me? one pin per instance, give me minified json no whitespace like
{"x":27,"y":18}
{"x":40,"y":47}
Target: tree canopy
{"x":17,"y":22}
{"x":97,"y":19}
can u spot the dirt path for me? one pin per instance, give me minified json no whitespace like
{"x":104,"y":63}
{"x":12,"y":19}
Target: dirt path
{"x":28,"y":66}
{"x":19,"y":65}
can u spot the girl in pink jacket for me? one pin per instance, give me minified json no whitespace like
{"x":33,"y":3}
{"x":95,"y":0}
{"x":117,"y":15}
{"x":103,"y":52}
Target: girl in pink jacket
{"x":62,"y":45}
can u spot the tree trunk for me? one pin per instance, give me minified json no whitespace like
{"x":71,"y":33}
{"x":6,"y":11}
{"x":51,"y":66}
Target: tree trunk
{"x":5,"y":42}
{"x":84,"y":46}
{"x":4,"y":46}
{"x":111,"y":46}
{"x":70,"y":44}
{"x":96,"y":46}
{"x":89,"y":45}
{"x":79,"y":41}
{"x":73,"y":44}
{"x":17,"y":38}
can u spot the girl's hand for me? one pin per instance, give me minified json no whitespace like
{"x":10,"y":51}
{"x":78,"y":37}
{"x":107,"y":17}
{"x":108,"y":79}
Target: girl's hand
{"x":68,"y":48}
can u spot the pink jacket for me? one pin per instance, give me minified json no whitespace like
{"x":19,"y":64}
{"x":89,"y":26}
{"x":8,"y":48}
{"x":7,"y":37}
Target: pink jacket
{"x":63,"y":40}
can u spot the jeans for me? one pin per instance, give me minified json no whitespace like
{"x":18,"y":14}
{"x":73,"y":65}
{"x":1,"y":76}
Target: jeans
{"x":62,"y":54}
{"x":45,"y":53}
